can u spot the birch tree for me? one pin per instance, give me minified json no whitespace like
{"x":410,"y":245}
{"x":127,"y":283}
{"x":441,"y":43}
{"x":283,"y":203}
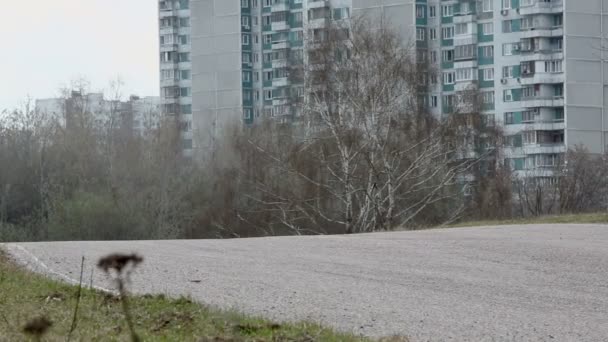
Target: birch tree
{"x":371,"y":157}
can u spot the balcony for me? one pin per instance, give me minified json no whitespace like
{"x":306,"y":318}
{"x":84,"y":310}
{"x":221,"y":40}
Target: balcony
{"x":280,"y":25}
{"x":542,"y":78}
{"x":538,"y":101}
{"x":536,"y":32}
{"x":542,"y":55}
{"x":317,"y":4}
{"x":170,"y":29}
{"x":169,"y":82}
{"x":169,"y":47}
{"x":544,"y":125}
{"x":167,"y":13}
{"x":465,"y":85}
{"x":280,"y":82}
{"x":544,"y":148}
{"x":464,"y":18}
{"x":316,"y":23}
{"x":280,"y":5}
{"x":465,"y":39}
{"x":280,"y":45}
{"x":531,"y":7}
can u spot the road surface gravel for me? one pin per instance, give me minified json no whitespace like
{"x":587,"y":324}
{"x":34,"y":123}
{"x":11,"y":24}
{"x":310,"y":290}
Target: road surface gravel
{"x":509,"y":283}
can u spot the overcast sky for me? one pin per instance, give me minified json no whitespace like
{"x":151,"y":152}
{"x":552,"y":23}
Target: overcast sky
{"x":48,"y":43}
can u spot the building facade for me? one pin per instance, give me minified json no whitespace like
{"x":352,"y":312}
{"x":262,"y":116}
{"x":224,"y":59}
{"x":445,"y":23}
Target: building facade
{"x":538,"y":65}
{"x":176,"y":66}
{"x":134,"y":116}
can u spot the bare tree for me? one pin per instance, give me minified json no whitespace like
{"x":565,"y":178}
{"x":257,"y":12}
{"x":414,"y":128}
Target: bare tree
{"x":371,"y":157}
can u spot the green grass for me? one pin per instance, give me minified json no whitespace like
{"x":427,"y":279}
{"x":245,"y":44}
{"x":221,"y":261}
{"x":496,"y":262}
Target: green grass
{"x":24,"y":295}
{"x":574,"y":218}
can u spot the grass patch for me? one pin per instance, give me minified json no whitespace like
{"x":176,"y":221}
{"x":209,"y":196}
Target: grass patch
{"x":574,"y":218}
{"x":24,"y":296}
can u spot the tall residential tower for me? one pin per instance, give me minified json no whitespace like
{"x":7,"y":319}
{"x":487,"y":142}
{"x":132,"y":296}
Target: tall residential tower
{"x":538,"y":64}
{"x":176,"y":66}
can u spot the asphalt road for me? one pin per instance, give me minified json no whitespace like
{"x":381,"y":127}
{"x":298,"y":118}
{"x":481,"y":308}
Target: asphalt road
{"x":512,"y":283}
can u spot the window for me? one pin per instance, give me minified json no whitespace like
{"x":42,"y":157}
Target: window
{"x":529,"y":92}
{"x":185,"y":91}
{"x":245,"y":21}
{"x":553,"y":66}
{"x":488,"y":74}
{"x":509,"y":118}
{"x":433,"y":33}
{"x":187,"y":144}
{"x":447,"y":11}
{"x":419,"y":11}
{"x":432,"y":11}
{"x":447,"y":32}
{"x":529,"y":137}
{"x":245,"y":3}
{"x":507,"y":26}
{"x":461,"y":28}
{"x":184,"y":22}
{"x":507,"y":71}
{"x":487,"y":51}
{"x":448,"y":101}
{"x":434,"y":101}
{"x":447,"y":55}
{"x":527,"y":23}
{"x":267,"y":38}
{"x":184,"y":56}
{"x":433,"y":56}
{"x":186,"y":109}
{"x":185,"y":74}
{"x":506,"y":4}
{"x":247,"y":114}
{"x":246,"y":76}
{"x":246,"y":57}
{"x":267,"y":94}
{"x":529,"y":115}
{"x":487,"y":28}
{"x":487,"y":97}
{"x":487,"y":5}
{"x":559,"y":114}
{"x":558,"y":20}
{"x":448,"y":77}
{"x":557,"y":44}
{"x":419,"y":34}
{"x":465,"y":52}
{"x":245,"y":40}
{"x":559,"y":90}
{"x":298,"y":18}
{"x":247,"y":95}
{"x":508,"y":48}
{"x":266,"y":20}
{"x":464,"y":74}
{"x":184,"y":4}
{"x":184,"y":39}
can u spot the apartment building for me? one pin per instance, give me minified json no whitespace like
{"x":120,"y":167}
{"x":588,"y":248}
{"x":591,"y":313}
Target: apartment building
{"x":241,"y":49}
{"x":135,"y":115}
{"x":537,"y":64}
{"x":176,"y":66}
